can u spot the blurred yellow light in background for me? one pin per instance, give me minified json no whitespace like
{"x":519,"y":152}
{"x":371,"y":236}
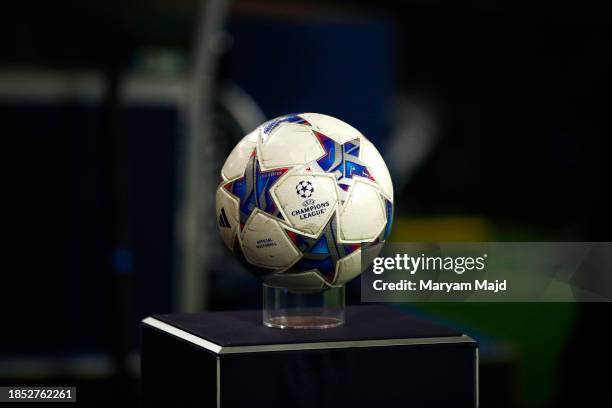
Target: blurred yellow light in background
{"x":446,"y":228}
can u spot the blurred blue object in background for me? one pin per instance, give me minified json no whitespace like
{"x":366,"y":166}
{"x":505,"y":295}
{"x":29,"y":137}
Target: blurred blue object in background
{"x":337,"y":65}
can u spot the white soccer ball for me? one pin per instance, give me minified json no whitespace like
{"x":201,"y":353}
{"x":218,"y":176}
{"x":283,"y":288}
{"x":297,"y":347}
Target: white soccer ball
{"x":299,"y":199}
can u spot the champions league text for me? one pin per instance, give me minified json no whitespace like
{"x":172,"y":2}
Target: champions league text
{"x":423,"y":263}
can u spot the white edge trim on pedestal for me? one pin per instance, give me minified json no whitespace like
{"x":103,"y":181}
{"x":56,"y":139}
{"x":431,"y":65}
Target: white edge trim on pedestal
{"x":215,"y":348}
{"x":182,"y":334}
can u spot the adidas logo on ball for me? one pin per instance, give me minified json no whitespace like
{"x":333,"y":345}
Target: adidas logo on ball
{"x":223,"y":221}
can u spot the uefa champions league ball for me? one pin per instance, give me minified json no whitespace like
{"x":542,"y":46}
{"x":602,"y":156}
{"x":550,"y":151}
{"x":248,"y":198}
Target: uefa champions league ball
{"x":301,"y":197}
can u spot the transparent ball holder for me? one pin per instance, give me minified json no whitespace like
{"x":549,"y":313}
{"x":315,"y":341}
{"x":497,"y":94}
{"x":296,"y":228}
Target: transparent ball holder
{"x":293,"y":309}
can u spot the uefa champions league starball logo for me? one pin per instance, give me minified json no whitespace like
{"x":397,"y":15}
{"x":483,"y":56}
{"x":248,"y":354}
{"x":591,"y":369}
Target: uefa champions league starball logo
{"x":304,"y":189}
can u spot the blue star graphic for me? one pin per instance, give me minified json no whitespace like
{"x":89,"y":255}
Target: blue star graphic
{"x":322,"y":253}
{"x":253,"y":189}
{"x":342,"y":160}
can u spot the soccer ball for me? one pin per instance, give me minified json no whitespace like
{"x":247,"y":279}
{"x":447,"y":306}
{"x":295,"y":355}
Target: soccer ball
{"x":300,"y":197}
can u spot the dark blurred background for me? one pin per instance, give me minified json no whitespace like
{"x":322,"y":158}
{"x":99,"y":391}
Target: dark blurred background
{"x":492,"y":116}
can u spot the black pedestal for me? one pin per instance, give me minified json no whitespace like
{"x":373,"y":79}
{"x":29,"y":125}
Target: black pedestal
{"x":379,"y":358}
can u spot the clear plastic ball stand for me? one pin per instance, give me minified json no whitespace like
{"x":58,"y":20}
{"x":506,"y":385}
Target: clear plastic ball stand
{"x":289,"y":309}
